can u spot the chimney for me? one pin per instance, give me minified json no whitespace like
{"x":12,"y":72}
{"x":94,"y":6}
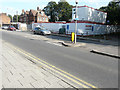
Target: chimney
{"x":23,"y":11}
{"x":4,"y":14}
{"x":38,"y":9}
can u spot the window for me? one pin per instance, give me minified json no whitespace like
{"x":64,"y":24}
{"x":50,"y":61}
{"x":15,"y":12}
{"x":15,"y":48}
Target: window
{"x":46,"y":19}
{"x":43,"y":18}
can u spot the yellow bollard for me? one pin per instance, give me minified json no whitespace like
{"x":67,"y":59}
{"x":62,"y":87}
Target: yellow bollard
{"x":72,"y":36}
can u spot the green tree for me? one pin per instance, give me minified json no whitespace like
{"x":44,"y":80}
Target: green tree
{"x":64,"y":11}
{"x":113,"y":12}
{"x":103,"y":8}
{"x":16,"y":18}
{"x":62,"y":1}
{"x":50,"y":10}
{"x":61,"y":11}
{"x":10,"y":16}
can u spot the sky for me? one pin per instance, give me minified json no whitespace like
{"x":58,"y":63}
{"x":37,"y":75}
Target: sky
{"x":13,"y":6}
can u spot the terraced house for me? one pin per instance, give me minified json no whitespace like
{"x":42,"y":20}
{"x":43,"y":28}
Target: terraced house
{"x":31,"y":16}
{"x":4,"y":19}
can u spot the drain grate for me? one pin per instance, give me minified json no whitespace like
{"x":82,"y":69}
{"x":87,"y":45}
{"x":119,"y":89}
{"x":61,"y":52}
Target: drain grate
{"x":31,"y":39}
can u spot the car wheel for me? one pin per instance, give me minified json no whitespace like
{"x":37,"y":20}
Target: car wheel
{"x":43,"y":33}
{"x":34,"y":32}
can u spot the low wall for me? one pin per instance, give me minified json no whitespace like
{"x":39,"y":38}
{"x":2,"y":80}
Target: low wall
{"x":82,"y":28}
{"x":112,"y":29}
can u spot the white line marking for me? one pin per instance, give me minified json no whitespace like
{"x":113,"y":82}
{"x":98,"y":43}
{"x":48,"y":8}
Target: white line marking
{"x":54,"y":43}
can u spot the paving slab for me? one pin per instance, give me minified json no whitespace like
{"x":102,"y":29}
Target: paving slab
{"x":18,"y":72}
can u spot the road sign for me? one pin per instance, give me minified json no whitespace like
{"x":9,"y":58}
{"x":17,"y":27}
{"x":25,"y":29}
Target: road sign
{"x":76,"y":19}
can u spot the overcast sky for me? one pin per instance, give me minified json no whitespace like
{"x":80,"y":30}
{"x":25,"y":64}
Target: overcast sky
{"x":11,"y":6}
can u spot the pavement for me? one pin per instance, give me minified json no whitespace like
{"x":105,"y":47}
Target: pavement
{"x":19,"y":72}
{"x":71,"y":44}
{"x":107,"y":50}
{"x":103,"y":47}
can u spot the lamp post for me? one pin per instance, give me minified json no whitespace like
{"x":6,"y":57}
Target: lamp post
{"x":76,"y":1}
{"x":17,"y":16}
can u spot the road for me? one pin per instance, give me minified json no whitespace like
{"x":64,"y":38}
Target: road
{"x":100,"y":71}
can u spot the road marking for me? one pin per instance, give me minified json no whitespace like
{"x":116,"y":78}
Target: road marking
{"x":55,"y":69}
{"x":54,"y":44}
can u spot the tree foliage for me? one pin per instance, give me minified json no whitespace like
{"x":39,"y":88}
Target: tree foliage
{"x":10,"y":16}
{"x":113,"y":12}
{"x":64,"y":11}
{"x":58,"y":12}
{"x":16,"y":18}
{"x":50,"y":10}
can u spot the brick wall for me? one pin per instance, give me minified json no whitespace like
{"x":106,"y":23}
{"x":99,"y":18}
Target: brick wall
{"x":5,"y":19}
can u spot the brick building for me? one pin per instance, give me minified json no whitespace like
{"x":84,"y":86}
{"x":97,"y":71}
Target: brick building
{"x":36,"y":16}
{"x":4,"y":19}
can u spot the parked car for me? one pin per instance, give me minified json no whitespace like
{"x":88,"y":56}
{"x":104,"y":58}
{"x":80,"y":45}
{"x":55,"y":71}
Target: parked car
{"x":42,"y":31}
{"x":5,"y":27}
{"x":11,"y":28}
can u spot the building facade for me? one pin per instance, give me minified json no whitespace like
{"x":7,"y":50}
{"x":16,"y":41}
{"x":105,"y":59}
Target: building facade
{"x":4,"y":19}
{"x":36,"y":16}
{"x":89,"y":14}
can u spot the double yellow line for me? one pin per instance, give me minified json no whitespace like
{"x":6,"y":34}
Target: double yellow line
{"x":55,"y":69}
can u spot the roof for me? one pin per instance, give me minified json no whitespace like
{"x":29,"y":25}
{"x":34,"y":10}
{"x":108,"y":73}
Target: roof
{"x":88,"y":7}
{"x":27,"y":12}
{"x":33,"y":12}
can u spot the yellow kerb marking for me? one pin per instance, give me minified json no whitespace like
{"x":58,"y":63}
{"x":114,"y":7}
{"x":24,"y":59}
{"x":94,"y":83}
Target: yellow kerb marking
{"x":53,"y":68}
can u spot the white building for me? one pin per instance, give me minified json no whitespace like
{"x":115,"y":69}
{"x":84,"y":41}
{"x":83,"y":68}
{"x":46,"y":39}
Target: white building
{"x":85,"y":13}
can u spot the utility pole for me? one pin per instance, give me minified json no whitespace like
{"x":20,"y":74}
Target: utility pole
{"x":76,"y":1}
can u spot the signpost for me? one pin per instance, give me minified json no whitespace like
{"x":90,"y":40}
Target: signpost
{"x":76,"y":1}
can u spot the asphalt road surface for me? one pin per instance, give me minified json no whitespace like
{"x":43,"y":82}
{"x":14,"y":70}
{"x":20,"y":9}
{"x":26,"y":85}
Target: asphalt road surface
{"x":101,"y":71}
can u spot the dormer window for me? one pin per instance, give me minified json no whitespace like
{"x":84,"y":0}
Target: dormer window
{"x":42,"y":13}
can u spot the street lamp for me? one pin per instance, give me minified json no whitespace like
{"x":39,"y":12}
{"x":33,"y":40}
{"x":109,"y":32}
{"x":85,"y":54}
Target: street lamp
{"x":76,"y":1}
{"x":17,"y":16}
